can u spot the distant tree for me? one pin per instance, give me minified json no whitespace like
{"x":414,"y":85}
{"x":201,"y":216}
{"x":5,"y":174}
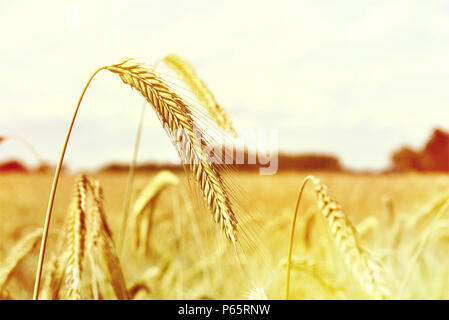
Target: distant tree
{"x":406,"y":159}
{"x":433,"y":157}
{"x":12,"y":166}
{"x":309,"y":162}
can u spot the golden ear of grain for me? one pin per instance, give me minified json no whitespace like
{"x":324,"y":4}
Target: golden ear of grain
{"x":18,"y":252}
{"x":96,"y":218}
{"x":359,"y":261}
{"x":107,"y":280}
{"x":201,"y":91}
{"x":76,"y":238}
{"x":159,"y":183}
{"x":89,"y":268}
{"x":142,"y":213}
{"x":177,"y":118}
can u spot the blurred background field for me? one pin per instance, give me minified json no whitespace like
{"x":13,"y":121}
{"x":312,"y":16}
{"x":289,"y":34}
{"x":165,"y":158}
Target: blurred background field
{"x":188,"y":259}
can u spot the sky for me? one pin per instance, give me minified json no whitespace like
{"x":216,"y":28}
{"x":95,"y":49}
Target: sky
{"x":357,"y":79}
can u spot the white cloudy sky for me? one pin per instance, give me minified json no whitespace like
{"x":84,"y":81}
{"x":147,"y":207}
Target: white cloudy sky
{"x":354,"y":78}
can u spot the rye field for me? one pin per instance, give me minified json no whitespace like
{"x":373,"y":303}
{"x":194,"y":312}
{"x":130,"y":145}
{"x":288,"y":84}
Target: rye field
{"x":385,"y":236}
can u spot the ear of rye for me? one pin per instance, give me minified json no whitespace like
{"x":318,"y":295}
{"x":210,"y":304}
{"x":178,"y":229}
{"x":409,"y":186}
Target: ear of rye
{"x":177,"y":118}
{"x":343,"y":233}
{"x":102,"y":251}
{"x":76,"y":238}
{"x":18,"y":253}
{"x":143,"y":206}
{"x":201,"y":91}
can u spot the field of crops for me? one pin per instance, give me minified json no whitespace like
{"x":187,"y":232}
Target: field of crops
{"x":176,"y":251}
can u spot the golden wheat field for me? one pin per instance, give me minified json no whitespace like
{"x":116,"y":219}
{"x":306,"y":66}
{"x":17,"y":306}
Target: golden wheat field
{"x":278,"y":153}
{"x":401,"y":220}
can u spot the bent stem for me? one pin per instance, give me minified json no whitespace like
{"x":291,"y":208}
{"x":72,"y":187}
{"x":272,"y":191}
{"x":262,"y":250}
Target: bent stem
{"x":292,"y":234}
{"x":129,"y":186}
{"x":53,"y":192}
{"x":28,"y":145}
